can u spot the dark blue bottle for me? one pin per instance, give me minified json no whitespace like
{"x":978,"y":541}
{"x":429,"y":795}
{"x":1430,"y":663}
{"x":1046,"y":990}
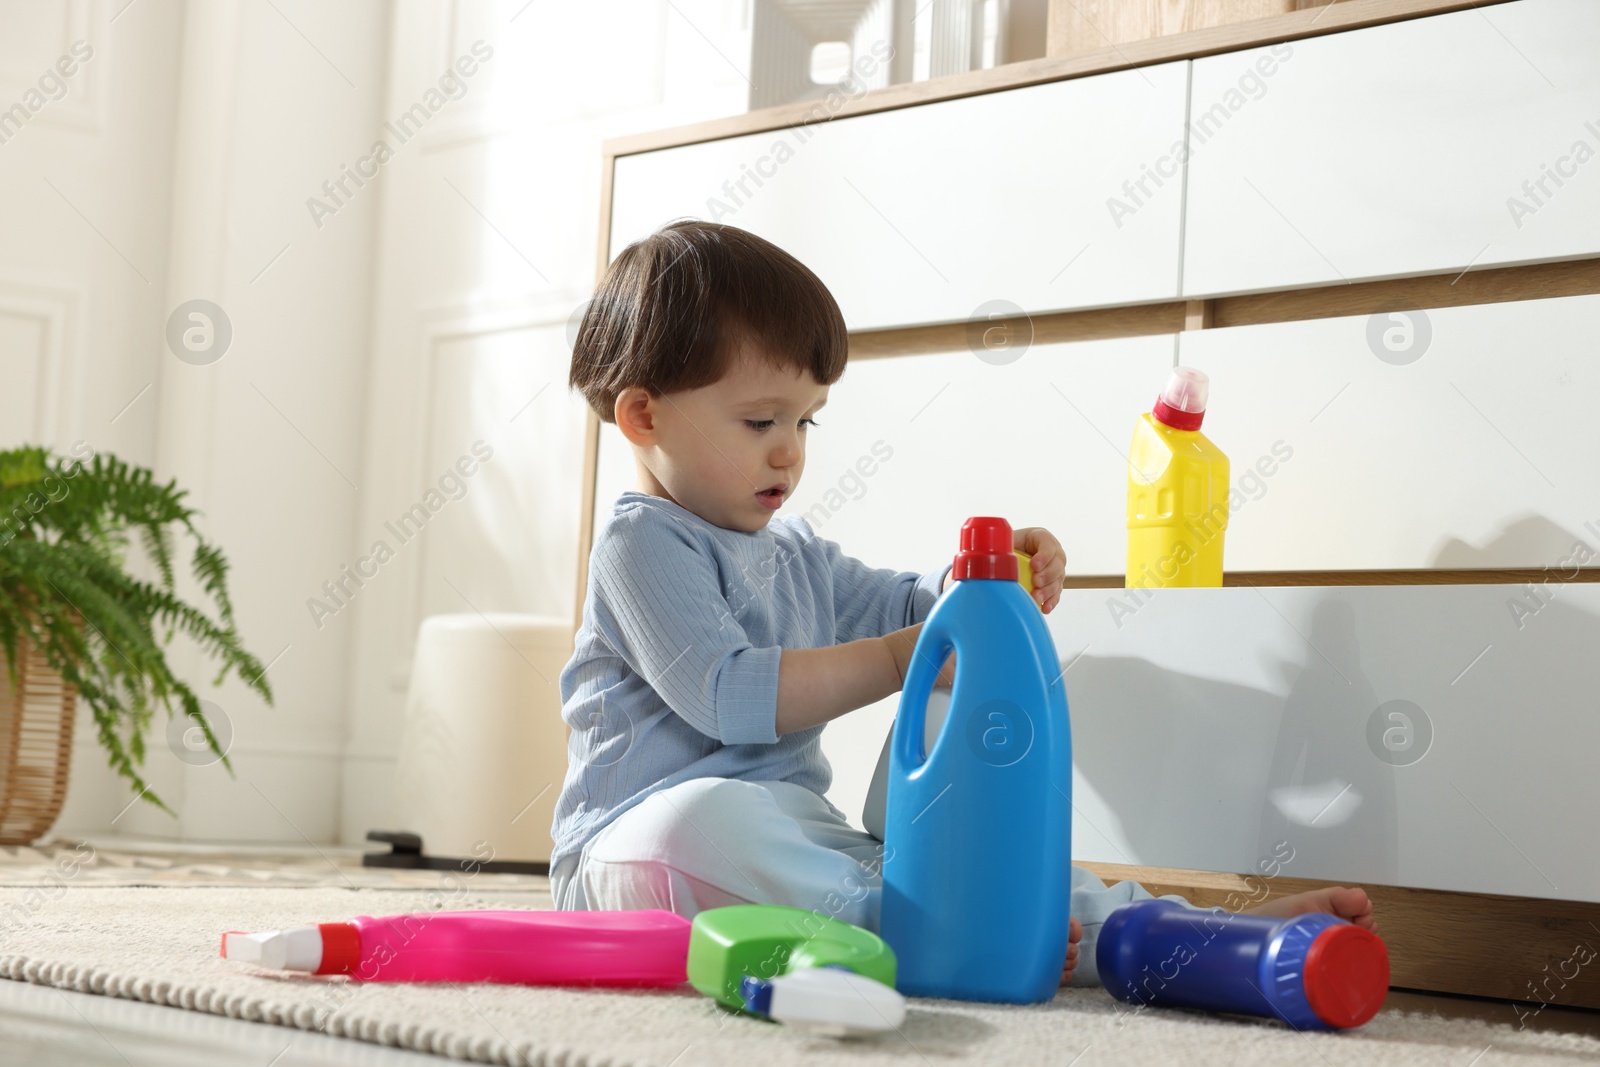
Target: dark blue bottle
{"x":977,"y":832}
{"x":1314,"y":972}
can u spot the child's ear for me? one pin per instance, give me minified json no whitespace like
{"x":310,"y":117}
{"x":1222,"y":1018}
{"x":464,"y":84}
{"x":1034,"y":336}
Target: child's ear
{"x":635,"y":414}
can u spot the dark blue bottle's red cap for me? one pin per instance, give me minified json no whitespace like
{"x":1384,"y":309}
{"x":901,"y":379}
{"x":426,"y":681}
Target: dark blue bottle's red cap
{"x":1346,"y":975}
{"x":1326,"y":972}
{"x":986,"y":550}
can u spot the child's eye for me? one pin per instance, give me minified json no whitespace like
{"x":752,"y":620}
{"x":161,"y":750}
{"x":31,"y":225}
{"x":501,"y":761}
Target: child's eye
{"x":762,"y":424}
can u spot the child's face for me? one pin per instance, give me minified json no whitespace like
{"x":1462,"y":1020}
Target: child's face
{"x":715,"y":449}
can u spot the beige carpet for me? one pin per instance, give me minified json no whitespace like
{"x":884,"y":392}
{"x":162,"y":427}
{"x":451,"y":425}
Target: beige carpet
{"x":159,"y":944}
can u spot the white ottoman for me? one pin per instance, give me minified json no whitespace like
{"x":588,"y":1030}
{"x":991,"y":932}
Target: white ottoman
{"x":484,"y":749}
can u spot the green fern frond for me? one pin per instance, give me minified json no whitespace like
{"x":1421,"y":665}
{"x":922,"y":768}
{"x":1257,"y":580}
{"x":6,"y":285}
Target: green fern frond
{"x":64,"y":529}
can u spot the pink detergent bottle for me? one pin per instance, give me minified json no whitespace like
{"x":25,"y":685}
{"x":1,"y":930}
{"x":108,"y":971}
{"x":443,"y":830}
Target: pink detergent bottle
{"x":647,"y":947}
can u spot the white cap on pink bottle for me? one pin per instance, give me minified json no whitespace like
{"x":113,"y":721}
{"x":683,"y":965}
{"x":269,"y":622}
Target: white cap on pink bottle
{"x":298,"y":948}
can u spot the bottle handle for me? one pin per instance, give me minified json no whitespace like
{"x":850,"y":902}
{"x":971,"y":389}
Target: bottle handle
{"x":933,"y":647}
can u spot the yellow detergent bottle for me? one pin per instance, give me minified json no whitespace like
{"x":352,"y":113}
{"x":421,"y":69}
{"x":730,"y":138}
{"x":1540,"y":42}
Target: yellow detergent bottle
{"x":1177,"y":491}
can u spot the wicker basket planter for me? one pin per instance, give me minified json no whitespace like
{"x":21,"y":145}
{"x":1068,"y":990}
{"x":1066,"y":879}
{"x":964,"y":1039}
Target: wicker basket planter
{"x":35,"y":746}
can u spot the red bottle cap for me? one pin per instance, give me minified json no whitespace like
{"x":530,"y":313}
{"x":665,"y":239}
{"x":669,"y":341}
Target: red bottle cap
{"x":341,"y":948}
{"x":1177,"y":418}
{"x":1346,"y":975}
{"x":1182,"y":403}
{"x":986,"y":550}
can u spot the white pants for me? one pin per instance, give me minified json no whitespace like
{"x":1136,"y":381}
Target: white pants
{"x":711,"y":842}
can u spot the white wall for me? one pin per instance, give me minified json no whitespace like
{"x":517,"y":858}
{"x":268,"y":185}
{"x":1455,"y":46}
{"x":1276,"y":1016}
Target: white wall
{"x":187,"y":147}
{"x":83,"y":260}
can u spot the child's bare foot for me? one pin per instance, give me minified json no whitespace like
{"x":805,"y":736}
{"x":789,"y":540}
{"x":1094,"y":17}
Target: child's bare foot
{"x":1351,"y":904}
{"x":1074,"y":935}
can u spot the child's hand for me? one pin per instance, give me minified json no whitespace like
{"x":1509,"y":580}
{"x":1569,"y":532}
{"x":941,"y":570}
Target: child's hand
{"x":1049,"y":563}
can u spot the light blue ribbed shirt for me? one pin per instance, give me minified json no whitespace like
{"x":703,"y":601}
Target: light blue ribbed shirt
{"x":674,"y":672}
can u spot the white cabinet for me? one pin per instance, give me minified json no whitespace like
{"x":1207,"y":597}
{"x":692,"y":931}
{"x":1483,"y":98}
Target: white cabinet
{"x":1417,"y":147}
{"x":922,"y":214}
{"x":1470,"y":448}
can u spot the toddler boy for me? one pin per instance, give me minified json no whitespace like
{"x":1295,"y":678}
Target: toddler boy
{"x":718,"y":638}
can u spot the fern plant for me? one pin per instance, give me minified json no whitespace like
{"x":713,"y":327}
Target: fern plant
{"x":64,"y":535}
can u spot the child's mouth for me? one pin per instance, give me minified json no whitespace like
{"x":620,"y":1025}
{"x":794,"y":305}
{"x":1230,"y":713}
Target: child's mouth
{"x":771,"y":497}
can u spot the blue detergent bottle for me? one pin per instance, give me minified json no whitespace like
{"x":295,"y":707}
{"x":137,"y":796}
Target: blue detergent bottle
{"x":977,"y":832}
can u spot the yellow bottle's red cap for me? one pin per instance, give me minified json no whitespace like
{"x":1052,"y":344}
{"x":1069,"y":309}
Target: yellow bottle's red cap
{"x":1182,"y":403}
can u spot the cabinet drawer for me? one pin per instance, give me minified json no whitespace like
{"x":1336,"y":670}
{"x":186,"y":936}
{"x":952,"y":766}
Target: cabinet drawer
{"x":1403,"y":735}
{"x":1419,"y":147}
{"x":922,"y":214}
{"x":1476,"y":453}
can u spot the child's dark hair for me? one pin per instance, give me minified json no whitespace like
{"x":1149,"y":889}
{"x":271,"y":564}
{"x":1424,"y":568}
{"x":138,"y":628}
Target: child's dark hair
{"x":672,"y":307}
